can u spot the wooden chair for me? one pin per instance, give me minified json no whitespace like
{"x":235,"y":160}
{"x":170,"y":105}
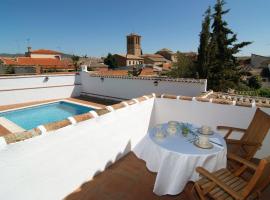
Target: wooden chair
{"x":225,"y":185}
{"x":253,"y":136}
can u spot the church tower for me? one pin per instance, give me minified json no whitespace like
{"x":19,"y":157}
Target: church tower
{"x":134,"y":44}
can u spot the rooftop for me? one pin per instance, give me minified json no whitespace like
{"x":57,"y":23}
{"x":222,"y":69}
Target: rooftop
{"x":91,"y":155}
{"x":27,"y":61}
{"x":45,"y":51}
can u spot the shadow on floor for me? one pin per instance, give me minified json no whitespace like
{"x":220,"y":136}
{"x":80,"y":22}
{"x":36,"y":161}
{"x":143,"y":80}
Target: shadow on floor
{"x":127,"y":179}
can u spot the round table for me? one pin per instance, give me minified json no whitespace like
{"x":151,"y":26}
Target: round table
{"x":175,"y":158}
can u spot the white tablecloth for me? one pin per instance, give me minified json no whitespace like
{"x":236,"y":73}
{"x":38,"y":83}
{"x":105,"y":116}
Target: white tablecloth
{"x":175,"y":160}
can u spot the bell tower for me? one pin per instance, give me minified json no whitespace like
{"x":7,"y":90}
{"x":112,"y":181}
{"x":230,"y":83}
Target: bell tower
{"x":134,"y":44}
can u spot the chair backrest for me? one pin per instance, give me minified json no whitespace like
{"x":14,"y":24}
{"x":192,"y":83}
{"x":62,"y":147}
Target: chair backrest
{"x":256,"y":131}
{"x":260,"y":179}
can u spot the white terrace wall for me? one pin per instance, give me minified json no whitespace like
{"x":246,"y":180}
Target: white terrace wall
{"x":205,"y":113}
{"x":53,"y":165}
{"x":127,"y":88}
{"x":21,"y":89}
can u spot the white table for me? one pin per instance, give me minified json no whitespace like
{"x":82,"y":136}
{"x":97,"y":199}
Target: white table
{"x":175,"y":159}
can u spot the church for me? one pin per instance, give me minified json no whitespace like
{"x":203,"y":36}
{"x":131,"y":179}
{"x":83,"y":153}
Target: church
{"x":134,"y":52}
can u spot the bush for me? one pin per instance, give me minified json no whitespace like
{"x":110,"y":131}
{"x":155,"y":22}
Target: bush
{"x":255,"y":82}
{"x":243,"y":87}
{"x":264,"y":92}
{"x":265,"y":72}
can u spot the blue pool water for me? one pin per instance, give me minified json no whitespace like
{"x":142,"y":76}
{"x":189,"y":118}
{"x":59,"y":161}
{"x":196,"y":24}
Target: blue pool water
{"x":29,"y":118}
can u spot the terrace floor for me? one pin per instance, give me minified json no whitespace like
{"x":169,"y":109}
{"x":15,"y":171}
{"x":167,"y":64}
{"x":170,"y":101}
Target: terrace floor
{"x":128,"y":179}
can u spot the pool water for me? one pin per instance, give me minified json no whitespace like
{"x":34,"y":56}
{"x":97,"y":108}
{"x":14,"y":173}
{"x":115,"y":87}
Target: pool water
{"x":29,"y":118}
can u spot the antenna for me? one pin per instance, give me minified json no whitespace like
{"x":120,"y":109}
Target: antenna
{"x":28,"y":42}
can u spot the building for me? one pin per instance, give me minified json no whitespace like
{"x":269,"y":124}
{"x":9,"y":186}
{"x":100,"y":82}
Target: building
{"x":155,"y":60}
{"x":93,"y":64}
{"x":168,"y":54}
{"x":134,"y":44}
{"x":257,"y":60}
{"x":37,"y":61}
{"x":43,"y":53}
{"x":128,"y":60}
{"x":134,"y":52}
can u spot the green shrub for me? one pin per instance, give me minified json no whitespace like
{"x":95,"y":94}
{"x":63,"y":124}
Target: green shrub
{"x":255,"y":82}
{"x":264,"y":92}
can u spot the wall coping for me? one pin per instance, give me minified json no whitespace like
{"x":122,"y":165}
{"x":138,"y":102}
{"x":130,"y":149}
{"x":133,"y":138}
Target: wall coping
{"x":16,"y":137}
{"x":14,"y":76}
{"x":235,"y":102}
{"x":184,"y":80}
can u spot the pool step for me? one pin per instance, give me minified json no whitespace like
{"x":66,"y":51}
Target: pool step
{"x":10,"y":126}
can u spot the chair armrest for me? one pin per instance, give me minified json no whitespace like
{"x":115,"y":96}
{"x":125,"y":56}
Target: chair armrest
{"x":219,"y":182}
{"x":230,"y":130}
{"x":240,"y":142}
{"x":241,"y":160}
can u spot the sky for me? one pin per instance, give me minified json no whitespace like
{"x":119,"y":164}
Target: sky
{"x":96,"y":27}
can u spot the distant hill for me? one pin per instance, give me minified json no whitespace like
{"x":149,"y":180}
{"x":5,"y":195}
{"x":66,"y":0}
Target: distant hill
{"x":11,"y":55}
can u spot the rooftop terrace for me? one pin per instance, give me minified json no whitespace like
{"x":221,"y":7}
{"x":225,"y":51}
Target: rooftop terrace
{"x":92,"y":158}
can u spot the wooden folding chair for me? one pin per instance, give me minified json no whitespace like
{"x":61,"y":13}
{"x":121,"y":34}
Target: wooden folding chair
{"x":253,"y":136}
{"x":226,"y":185}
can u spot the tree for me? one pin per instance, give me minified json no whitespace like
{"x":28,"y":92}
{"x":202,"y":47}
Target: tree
{"x":9,"y":69}
{"x":136,"y":71}
{"x":110,"y":61}
{"x":221,"y":63}
{"x":75,"y":61}
{"x":255,"y":82}
{"x":203,"y":49}
{"x":183,"y":68}
{"x":265,"y":72}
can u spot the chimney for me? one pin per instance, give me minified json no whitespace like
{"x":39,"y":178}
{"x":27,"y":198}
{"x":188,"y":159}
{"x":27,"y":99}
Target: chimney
{"x":29,"y":49}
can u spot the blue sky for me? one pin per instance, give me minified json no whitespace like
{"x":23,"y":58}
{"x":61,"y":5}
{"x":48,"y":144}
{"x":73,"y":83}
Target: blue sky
{"x":96,"y":27}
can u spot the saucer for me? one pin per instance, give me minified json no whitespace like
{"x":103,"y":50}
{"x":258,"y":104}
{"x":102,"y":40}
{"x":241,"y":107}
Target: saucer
{"x":205,"y":146}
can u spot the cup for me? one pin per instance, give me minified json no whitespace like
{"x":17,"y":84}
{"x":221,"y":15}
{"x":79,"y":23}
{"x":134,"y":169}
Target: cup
{"x":206,"y":130}
{"x":203,"y":140}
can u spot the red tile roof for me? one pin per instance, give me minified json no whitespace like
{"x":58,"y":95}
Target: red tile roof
{"x":42,"y":62}
{"x":44,"y":51}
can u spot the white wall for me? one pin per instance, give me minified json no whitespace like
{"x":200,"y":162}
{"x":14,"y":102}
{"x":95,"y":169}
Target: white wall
{"x":21,"y":89}
{"x":131,"y":88}
{"x":202,"y":113}
{"x":44,"y":55}
{"x":53,"y":165}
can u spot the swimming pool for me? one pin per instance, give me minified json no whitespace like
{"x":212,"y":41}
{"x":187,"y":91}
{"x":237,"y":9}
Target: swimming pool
{"x":29,"y":118}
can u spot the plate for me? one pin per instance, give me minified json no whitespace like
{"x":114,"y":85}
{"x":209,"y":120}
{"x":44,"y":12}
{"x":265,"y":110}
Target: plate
{"x":206,"y":146}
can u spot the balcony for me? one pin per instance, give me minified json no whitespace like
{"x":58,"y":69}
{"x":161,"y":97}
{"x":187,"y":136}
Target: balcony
{"x":92,"y":158}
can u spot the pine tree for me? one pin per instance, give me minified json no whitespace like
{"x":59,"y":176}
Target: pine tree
{"x":203,"y":49}
{"x":223,"y":73}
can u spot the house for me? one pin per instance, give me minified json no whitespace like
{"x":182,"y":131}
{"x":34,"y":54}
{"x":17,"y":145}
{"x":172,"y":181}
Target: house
{"x":93,"y":64}
{"x":128,"y":60}
{"x":168,"y":54}
{"x":37,"y":61}
{"x":257,"y":60}
{"x":155,"y":60}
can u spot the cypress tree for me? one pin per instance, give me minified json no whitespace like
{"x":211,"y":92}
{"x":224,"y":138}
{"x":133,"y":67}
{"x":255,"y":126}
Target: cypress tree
{"x":222,"y":67}
{"x":203,"y":49}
